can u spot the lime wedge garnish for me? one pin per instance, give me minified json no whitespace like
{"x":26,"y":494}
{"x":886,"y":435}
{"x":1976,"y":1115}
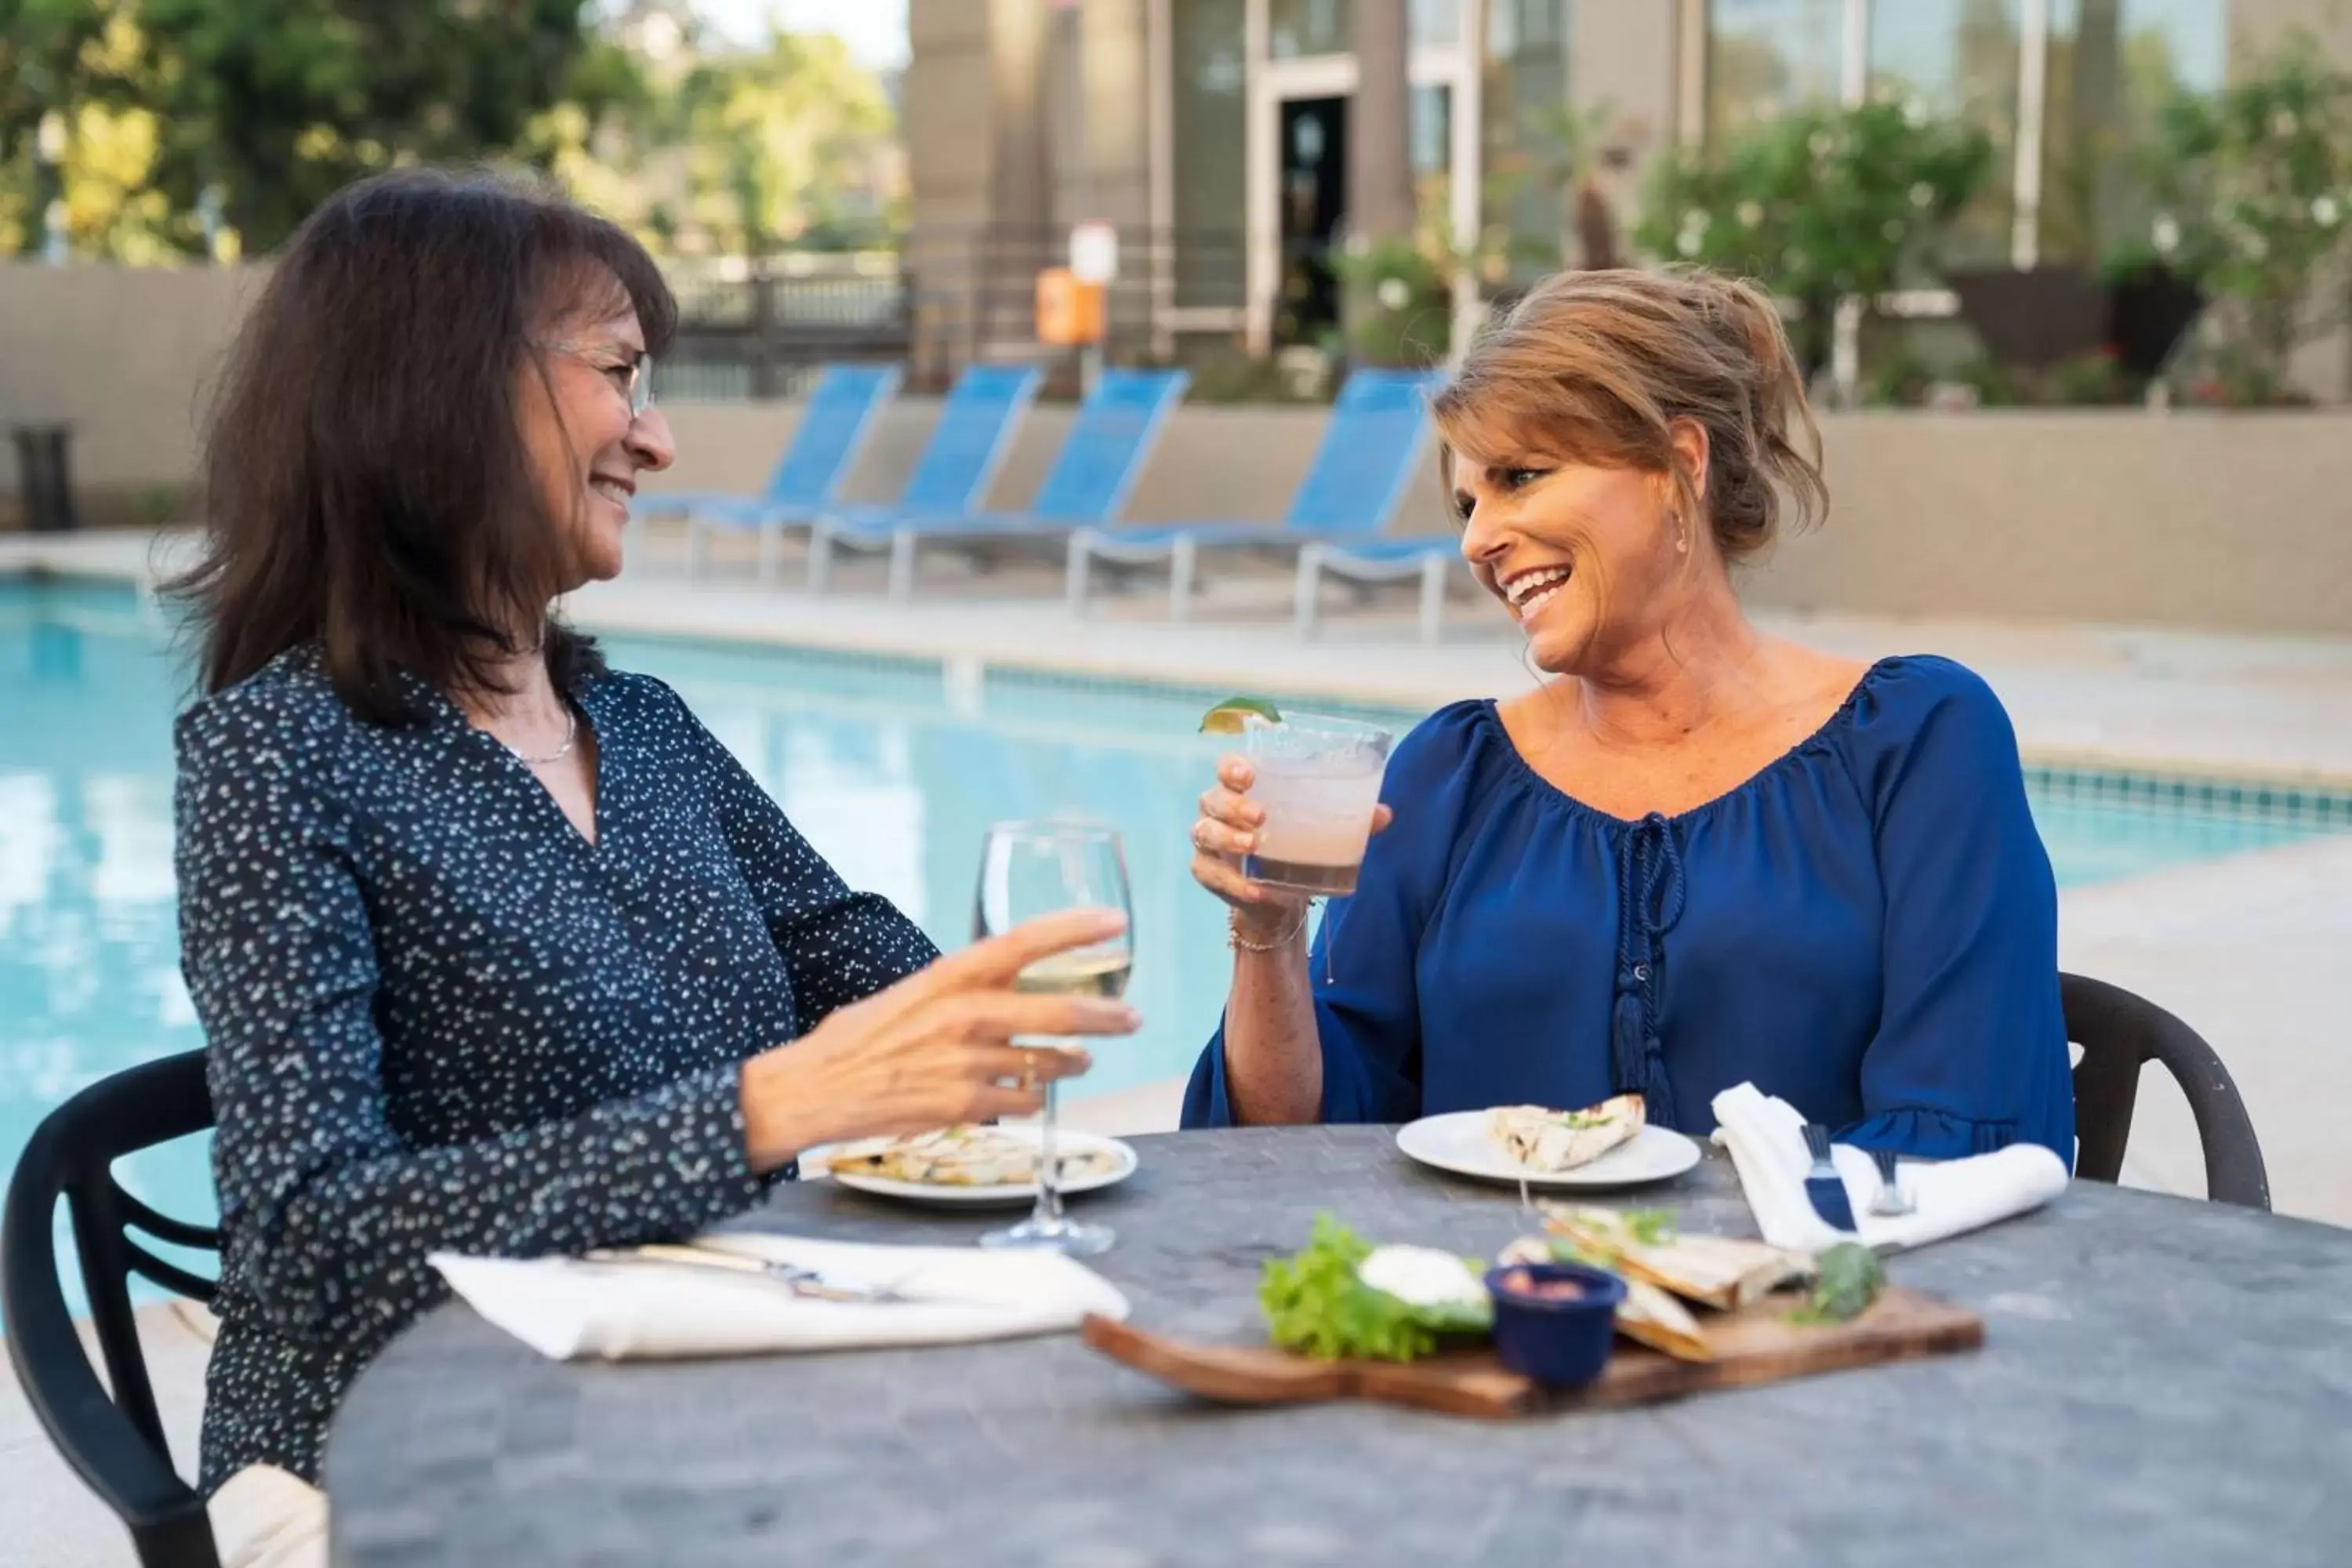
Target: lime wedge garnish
{"x":1227,"y":717}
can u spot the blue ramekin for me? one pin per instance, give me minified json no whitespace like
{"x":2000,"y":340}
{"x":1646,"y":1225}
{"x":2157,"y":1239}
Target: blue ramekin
{"x":1560,"y":1344}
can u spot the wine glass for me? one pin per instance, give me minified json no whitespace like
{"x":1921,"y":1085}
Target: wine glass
{"x":1032,"y":869}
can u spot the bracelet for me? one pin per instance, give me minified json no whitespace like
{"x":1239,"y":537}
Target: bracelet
{"x":1240,"y":943}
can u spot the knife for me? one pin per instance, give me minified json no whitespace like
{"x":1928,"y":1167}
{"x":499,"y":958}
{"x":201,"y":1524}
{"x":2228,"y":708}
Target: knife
{"x":1824,"y":1188}
{"x":801,"y":1281}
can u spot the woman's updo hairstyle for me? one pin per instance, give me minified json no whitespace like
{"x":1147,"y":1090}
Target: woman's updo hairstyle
{"x":1597,"y":367}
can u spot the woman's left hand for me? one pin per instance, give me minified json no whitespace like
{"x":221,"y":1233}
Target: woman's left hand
{"x":935,"y":1049}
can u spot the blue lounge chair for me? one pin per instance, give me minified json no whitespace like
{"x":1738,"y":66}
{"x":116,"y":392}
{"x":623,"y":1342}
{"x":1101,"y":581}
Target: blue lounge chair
{"x":1100,"y":461}
{"x":1428,"y":558}
{"x":1369,"y":452}
{"x":833,"y":430}
{"x":960,"y":458}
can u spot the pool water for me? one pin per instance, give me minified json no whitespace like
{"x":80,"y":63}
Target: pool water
{"x":891,"y":768}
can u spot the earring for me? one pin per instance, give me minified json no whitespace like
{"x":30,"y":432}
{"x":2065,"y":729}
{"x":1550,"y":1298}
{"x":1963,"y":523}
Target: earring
{"x":1682,"y":536}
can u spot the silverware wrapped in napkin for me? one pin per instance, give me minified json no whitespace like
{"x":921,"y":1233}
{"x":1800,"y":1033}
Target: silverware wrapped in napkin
{"x":779,"y":1293}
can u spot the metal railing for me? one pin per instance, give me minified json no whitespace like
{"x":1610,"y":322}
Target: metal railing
{"x":759,"y":328}
{"x":947,"y":298}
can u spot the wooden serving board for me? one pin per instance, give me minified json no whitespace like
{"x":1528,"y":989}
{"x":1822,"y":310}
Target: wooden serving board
{"x":1755,"y":1345}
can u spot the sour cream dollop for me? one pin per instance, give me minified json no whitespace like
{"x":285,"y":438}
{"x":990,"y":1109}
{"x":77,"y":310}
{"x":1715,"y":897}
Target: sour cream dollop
{"x":1422,"y":1277}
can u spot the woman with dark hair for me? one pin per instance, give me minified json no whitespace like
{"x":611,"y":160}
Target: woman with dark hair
{"x":497,"y":950}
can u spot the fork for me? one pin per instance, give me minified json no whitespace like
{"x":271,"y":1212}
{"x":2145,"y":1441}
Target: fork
{"x":1891,"y":1199}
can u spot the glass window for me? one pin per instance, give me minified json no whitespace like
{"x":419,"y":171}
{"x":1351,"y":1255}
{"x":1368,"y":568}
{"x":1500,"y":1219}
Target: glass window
{"x":1765,"y":55}
{"x":1209,"y":178}
{"x":1303,"y":26}
{"x":1522,"y":105}
{"x":2113,"y":64}
{"x":1436,"y":24}
{"x":1296,"y":27}
{"x":1430,"y":133}
{"x":1958,"y":60}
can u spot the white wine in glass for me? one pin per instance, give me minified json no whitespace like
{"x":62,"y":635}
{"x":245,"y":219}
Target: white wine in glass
{"x":1093,"y":972}
{"x":1032,"y":869}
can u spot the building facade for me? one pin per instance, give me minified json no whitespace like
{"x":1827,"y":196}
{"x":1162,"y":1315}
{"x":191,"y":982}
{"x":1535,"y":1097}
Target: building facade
{"x":1218,"y":134}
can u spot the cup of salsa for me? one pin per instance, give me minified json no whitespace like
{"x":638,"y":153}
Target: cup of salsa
{"x":1554,"y":1322}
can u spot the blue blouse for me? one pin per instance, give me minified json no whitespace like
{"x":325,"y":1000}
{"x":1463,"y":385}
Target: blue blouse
{"x":438,"y":1017}
{"x":1868,"y":929}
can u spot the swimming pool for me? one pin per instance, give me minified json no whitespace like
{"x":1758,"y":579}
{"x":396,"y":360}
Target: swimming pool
{"x":891,"y":767}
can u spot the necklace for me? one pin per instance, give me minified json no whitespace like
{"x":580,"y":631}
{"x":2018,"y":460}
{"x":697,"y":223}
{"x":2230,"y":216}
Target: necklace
{"x":571,"y":734}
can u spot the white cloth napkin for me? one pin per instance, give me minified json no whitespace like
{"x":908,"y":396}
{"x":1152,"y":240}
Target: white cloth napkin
{"x":1767,"y":1140}
{"x":568,"y":1309}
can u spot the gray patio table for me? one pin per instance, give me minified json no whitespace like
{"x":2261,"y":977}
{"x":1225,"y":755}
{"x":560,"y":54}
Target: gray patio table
{"x":2164,"y":1381}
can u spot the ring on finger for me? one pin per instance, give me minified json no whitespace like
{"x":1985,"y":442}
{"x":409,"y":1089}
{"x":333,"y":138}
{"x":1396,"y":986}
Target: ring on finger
{"x":1029,"y":1072}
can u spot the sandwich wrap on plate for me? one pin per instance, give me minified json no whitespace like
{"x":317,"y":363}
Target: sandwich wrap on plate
{"x":1546,"y":1141}
{"x":957,"y":1157}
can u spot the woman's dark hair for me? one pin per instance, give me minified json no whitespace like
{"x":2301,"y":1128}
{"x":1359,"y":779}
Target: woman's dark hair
{"x":366,"y":475}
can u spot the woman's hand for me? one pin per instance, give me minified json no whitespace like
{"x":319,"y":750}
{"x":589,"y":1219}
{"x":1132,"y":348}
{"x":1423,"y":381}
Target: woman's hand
{"x":1227,"y":830}
{"x":933,"y":1049}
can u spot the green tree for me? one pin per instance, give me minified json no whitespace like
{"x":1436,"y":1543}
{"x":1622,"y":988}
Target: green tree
{"x":41,"y":69}
{"x":1820,"y":205}
{"x":794,"y":142}
{"x":271,"y":105}
{"x":109,"y":158}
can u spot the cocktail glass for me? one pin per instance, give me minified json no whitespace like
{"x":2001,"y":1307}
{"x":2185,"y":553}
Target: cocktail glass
{"x":1318,"y":781}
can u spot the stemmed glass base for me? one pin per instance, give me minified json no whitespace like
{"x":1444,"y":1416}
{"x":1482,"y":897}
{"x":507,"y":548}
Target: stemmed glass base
{"x":1075,"y":1238}
{"x":1046,"y":1230}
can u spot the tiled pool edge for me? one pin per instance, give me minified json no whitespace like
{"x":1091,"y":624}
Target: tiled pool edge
{"x":2320,"y":804}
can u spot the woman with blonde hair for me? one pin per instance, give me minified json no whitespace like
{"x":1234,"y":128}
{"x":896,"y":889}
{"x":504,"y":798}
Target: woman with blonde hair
{"x":1698,"y":854}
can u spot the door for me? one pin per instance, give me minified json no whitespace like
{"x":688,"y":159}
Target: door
{"x":1313,"y":191}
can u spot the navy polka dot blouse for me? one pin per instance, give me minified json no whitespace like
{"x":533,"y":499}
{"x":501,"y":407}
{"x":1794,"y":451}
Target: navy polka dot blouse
{"x":438,"y":1017}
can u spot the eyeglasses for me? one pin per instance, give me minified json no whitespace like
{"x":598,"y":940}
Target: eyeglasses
{"x":631,"y":373}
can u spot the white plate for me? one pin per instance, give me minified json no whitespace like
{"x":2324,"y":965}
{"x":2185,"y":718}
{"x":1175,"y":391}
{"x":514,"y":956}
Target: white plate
{"x":1457,"y":1142}
{"x":1010,"y":1195}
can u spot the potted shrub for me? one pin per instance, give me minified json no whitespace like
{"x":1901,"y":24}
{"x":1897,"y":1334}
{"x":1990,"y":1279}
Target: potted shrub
{"x":1820,"y":205}
{"x":2034,"y":317}
{"x":2149,"y":308}
{"x":1402,"y":296}
{"x":2135,"y":309}
{"x":2254,"y":187}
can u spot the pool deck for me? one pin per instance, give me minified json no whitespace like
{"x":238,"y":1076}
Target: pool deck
{"x":2248,"y":949}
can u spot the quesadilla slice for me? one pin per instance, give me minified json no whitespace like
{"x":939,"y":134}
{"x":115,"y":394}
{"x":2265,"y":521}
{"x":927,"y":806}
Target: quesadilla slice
{"x":957,"y":1157}
{"x":1720,"y":1271}
{"x":1546,"y":1141}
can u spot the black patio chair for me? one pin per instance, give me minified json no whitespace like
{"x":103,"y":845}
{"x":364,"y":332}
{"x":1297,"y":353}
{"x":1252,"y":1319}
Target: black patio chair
{"x":116,"y":1444}
{"x":2120,"y":1032}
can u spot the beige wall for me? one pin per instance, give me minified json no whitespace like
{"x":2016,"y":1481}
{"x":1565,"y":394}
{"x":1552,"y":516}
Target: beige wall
{"x":1103,"y":166}
{"x":2218,"y":520}
{"x":127,"y":356}
{"x":1628,"y":56}
{"x":1235,"y":462}
{"x":2259,"y":26}
{"x":948,"y":115}
{"x":2241,"y":522}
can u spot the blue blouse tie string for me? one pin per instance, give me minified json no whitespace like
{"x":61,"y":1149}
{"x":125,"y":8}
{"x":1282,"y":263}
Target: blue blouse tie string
{"x":1649,"y":902}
